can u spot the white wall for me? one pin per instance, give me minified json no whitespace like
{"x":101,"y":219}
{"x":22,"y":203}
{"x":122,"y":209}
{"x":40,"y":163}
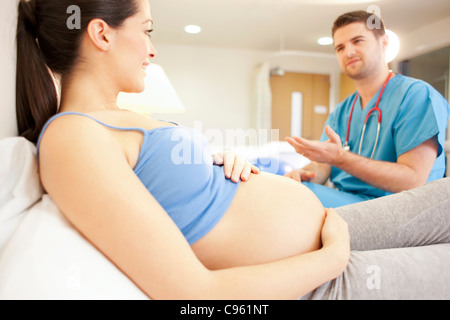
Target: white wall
{"x":214,"y":84}
{"x":217,"y":85}
{"x":424,"y":40}
{"x":8,"y":25}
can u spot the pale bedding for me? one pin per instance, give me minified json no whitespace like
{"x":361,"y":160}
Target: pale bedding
{"x":42,"y":256}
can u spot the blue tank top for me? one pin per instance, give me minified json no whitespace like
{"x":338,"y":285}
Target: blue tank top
{"x":175,"y":165}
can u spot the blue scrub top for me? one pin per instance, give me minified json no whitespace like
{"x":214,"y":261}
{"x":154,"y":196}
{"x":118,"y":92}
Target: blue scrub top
{"x":412,"y":112}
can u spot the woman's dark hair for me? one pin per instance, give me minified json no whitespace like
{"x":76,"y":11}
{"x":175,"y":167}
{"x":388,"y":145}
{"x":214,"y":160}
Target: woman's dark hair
{"x":48,"y":46}
{"x":369,"y":19}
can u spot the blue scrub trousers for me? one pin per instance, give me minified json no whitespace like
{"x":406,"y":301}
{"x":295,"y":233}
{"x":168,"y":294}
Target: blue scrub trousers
{"x":333,"y":198}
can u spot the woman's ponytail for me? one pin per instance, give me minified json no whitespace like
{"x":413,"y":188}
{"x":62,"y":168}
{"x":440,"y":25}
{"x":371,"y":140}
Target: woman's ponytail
{"x":36,"y":97}
{"x":46,"y":46}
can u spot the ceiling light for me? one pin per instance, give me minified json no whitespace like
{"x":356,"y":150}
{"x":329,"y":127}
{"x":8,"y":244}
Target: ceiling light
{"x":325,"y":41}
{"x":393,"y":47}
{"x":194,"y":29}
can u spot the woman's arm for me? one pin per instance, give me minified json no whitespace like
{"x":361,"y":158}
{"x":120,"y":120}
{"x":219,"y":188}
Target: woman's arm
{"x":88,"y":176}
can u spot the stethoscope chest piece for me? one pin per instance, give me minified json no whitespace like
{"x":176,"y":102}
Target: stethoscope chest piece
{"x":346,"y":147}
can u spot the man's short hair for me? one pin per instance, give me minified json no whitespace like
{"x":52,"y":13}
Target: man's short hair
{"x":371,"y":20}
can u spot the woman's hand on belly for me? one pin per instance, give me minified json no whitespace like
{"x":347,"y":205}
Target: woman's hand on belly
{"x":235,"y":166}
{"x":335,"y":234}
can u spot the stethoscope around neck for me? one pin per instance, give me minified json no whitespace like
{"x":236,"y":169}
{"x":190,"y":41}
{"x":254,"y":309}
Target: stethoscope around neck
{"x":370,"y":113}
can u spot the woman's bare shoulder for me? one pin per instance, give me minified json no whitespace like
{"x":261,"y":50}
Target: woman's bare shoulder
{"x":75,"y":143}
{"x":70,"y":132}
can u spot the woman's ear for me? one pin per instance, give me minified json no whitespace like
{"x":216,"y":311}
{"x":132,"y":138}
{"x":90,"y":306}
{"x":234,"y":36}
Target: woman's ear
{"x":100,"y":34}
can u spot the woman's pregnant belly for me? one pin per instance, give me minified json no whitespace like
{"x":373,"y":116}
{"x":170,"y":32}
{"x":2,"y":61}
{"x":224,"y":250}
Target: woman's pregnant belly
{"x":271,"y":217}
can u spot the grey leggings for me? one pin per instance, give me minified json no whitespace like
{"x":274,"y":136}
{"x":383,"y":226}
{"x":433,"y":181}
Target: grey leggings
{"x":400,"y":247}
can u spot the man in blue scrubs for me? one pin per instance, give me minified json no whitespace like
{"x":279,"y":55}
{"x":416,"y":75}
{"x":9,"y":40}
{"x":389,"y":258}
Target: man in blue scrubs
{"x":408,"y":150}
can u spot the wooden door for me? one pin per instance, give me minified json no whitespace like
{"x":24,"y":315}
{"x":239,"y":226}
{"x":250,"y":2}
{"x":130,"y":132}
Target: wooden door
{"x":347,"y":87}
{"x":315,"y":90}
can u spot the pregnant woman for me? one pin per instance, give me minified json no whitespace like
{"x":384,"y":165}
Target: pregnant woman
{"x":178,"y":229}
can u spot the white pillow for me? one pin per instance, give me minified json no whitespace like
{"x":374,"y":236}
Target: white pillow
{"x":43,"y":256}
{"x":19,"y":183}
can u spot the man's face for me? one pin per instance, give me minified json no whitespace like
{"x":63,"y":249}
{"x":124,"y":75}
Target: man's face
{"x":359,"y":51}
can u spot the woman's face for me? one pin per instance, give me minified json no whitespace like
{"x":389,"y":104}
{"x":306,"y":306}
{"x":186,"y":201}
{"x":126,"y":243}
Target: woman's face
{"x":133,"y":49}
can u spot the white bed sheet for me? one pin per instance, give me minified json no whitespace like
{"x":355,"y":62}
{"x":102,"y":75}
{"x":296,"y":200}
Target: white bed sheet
{"x":41,"y":255}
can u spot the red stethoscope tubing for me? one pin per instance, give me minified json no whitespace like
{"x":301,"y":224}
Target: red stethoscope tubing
{"x":376,"y":108}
